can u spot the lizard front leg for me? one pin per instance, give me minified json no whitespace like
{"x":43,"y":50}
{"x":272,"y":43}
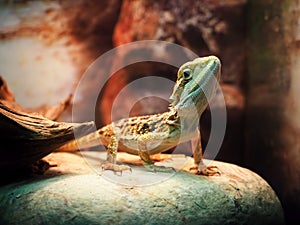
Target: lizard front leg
{"x":110,"y":163}
{"x":198,"y":158}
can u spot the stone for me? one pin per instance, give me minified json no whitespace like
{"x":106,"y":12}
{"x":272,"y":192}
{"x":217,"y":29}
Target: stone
{"x":67,"y":196}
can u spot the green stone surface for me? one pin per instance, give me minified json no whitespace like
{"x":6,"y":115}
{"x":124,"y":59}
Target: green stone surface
{"x":238,"y":196}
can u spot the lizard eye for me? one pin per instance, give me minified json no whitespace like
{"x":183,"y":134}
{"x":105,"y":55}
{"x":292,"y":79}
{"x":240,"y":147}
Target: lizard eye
{"x":187,"y":73}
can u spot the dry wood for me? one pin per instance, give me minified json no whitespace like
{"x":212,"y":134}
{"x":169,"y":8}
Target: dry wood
{"x":27,"y":135}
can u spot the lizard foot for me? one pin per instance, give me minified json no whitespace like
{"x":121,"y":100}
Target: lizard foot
{"x":155,"y":168}
{"x":115,"y":167}
{"x":209,"y":171}
{"x":202,"y":169}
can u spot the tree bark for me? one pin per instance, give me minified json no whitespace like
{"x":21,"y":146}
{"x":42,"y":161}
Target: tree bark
{"x":273,"y":126}
{"x":26,"y":137}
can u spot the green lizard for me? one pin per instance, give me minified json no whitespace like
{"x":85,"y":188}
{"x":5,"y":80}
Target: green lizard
{"x":152,"y":134}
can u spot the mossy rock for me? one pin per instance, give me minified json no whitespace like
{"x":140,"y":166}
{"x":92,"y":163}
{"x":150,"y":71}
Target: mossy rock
{"x":238,"y":196}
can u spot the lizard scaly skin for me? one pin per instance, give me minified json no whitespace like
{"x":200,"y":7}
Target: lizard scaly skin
{"x":151,"y":134}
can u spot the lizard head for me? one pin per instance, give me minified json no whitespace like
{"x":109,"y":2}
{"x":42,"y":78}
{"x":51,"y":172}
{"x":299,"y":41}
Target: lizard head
{"x":196,"y":83}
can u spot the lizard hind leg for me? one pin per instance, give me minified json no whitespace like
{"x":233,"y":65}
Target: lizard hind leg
{"x":200,"y":166}
{"x":145,"y":155}
{"x":111,"y":163}
{"x":149,"y":164}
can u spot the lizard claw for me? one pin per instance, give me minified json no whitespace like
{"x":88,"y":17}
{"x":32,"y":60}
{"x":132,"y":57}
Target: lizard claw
{"x":209,"y":171}
{"x":115,"y":167}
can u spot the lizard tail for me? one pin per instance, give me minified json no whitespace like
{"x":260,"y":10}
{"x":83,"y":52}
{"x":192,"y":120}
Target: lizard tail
{"x":68,"y":147}
{"x":87,"y":141}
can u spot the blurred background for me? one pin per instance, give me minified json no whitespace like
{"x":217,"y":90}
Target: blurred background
{"x":46,"y":46}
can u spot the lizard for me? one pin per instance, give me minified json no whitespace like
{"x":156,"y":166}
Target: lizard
{"x":151,"y":134}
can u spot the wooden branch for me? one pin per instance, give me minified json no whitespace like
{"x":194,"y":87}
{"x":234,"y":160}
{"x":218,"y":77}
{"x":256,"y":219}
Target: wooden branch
{"x":27,"y":136}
